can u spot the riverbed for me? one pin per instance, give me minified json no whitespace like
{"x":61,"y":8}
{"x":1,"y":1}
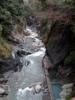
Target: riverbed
{"x":29,"y":82}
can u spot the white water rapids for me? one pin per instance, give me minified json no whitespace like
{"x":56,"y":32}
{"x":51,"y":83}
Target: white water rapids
{"x":26,"y":84}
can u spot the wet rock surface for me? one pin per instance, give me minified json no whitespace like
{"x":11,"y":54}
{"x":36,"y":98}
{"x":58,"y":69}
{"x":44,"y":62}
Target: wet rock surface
{"x":22,"y":53}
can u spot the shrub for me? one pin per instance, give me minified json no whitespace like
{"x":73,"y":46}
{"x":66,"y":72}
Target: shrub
{"x":70,"y":59}
{"x":5,"y":49}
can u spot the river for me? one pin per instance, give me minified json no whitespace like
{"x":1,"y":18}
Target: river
{"x":29,"y":82}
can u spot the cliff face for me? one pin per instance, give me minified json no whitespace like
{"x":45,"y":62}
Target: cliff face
{"x":55,"y":29}
{"x":58,"y":45}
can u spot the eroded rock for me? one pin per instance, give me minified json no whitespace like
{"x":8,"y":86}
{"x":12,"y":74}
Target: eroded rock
{"x":2,"y":90}
{"x":58,"y":45}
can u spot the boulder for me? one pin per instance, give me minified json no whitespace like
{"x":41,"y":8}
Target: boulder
{"x":2,"y":91}
{"x":47,"y":63}
{"x":20,"y":53}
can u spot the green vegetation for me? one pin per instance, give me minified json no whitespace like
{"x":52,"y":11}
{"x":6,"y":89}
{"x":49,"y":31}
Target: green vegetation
{"x":61,"y":2}
{"x":41,"y":5}
{"x":6,"y":18}
{"x":5,"y":49}
{"x":70,"y":59}
{"x":44,"y":4}
{"x":12,"y":12}
{"x":69,"y":97}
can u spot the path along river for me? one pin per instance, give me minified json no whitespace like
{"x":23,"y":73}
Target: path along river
{"x":29,"y":83}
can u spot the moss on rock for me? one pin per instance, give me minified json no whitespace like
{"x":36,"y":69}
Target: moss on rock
{"x":5,"y":49}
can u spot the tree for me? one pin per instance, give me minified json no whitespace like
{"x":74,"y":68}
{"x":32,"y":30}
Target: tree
{"x":43,"y":4}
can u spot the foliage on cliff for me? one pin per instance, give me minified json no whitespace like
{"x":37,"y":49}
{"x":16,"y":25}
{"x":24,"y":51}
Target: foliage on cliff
{"x":12,"y":12}
{"x":72,"y":94}
{"x":70,"y":58}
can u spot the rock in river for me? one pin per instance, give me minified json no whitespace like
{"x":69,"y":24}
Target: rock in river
{"x":2,"y":91}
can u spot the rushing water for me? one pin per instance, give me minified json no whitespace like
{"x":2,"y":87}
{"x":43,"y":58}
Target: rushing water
{"x":27,"y":84}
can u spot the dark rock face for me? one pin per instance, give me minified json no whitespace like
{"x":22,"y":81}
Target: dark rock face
{"x":59,"y":42}
{"x":8,"y":65}
{"x":21,"y":53}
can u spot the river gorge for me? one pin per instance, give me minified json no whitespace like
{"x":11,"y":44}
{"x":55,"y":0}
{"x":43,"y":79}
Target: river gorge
{"x":37,"y":49}
{"x":29,"y":82}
